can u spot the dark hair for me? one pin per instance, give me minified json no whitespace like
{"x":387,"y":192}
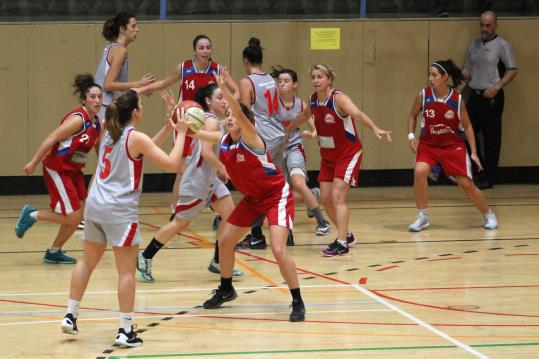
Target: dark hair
{"x":111,"y":28}
{"x":205,"y":92}
{"x":278,"y":70}
{"x":119,"y":113}
{"x":248,"y":113}
{"x":253,"y":52}
{"x":448,"y":67}
{"x":83,"y":83}
{"x":199,"y":37}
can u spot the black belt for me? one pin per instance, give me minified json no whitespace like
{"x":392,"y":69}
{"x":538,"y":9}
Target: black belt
{"x":477,"y":92}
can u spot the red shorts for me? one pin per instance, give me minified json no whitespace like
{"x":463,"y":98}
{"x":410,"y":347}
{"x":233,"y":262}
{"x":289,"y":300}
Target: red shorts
{"x":454,"y":158}
{"x":66,"y":190}
{"x":277,"y":208}
{"x":346,"y":169}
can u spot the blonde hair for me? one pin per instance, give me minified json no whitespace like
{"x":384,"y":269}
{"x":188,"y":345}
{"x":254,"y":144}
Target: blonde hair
{"x":327,"y":70}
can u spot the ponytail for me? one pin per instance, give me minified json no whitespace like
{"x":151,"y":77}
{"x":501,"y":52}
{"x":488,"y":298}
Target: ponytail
{"x":111,"y":27}
{"x":451,"y":69}
{"x":119,"y":113}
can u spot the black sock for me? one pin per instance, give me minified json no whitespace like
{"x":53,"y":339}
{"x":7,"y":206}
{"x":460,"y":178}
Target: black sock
{"x":216,"y":252}
{"x":296,"y":295}
{"x":152,"y":249}
{"x":256,"y":231}
{"x":172,"y":216}
{"x":226,"y":284}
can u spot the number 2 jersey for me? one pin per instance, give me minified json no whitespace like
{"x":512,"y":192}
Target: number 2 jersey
{"x":440,"y":119}
{"x":114,"y":195}
{"x":71,"y":153}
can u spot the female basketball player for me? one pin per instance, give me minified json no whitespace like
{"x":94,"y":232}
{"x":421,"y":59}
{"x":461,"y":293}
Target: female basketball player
{"x":294,"y":156}
{"x":340,"y":150}
{"x":266,"y":194}
{"x":442,"y":112}
{"x":201,"y":186}
{"x":112,"y":209}
{"x":67,"y":149}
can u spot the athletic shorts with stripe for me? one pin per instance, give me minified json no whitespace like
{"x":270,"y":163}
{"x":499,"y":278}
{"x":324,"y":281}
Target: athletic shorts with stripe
{"x":189,"y":207}
{"x":454,"y":159}
{"x":278,"y":208}
{"x":66,"y":190}
{"x":117,"y":235}
{"x":346,"y":169}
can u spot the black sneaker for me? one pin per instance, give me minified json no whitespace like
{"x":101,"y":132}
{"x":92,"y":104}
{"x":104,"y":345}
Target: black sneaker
{"x":252,"y":242}
{"x":216,"y":222}
{"x":290,"y":239}
{"x":219,"y":297}
{"x":350,"y":239}
{"x":335,"y":249}
{"x":298,"y":312}
{"x":130,"y":339}
{"x":69,"y":325}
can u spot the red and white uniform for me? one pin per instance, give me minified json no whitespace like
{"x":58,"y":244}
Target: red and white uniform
{"x":62,"y":167}
{"x":192,"y":78}
{"x":340,"y":147}
{"x":440,"y":139}
{"x":266,"y":192}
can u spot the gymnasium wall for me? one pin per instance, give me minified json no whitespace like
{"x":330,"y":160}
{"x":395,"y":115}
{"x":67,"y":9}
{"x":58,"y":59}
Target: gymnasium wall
{"x":381,"y":64}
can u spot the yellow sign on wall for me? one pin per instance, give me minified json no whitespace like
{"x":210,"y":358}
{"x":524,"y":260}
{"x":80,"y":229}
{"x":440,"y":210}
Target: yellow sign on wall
{"x":325,"y":38}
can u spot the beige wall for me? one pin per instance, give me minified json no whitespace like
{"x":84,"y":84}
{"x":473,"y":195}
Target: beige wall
{"x":381,"y":65}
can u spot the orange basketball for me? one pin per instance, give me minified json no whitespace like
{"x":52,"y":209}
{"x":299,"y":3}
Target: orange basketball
{"x":185,"y":105}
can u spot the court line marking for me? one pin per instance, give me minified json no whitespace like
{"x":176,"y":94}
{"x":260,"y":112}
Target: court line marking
{"x":420,"y":322}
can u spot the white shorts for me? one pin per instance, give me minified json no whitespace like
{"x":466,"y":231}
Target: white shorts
{"x":189,"y":207}
{"x":117,"y":235}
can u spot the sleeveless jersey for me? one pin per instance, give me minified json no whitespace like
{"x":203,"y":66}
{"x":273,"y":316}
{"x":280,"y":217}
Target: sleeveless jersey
{"x":337,"y":135}
{"x":71,"y":154}
{"x":287,"y":115}
{"x":253,"y":174}
{"x":103,"y":69}
{"x":199,"y":175}
{"x":265,"y":107}
{"x":440,"y":119}
{"x":115,"y":193}
{"x":192,"y":78}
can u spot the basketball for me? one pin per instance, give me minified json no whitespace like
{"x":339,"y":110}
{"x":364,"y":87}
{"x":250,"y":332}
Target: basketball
{"x":194,"y":115}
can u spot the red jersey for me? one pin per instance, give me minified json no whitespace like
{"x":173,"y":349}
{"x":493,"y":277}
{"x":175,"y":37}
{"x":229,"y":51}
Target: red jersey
{"x":337,"y":135}
{"x":193,"y":78}
{"x":252,"y":173}
{"x":440,"y":119}
{"x":71,"y":153}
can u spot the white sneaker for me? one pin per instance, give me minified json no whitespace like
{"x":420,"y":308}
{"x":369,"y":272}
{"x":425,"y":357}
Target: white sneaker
{"x":144,"y":268}
{"x":214,"y":267}
{"x":69,"y":325}
{"x":81,"y":225}
{"x":421,"y":222}
{"x":490,"y":221}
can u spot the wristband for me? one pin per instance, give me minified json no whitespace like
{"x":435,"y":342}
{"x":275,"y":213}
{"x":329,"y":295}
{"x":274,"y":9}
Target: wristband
{"x":411,"y":136}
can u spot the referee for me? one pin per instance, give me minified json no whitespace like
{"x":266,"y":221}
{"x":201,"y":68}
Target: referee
{"x":489,"y":66}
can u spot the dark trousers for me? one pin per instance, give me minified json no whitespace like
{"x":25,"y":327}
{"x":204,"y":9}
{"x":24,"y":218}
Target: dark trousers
{"x":484,"y":5}
{"x":486,"y":118}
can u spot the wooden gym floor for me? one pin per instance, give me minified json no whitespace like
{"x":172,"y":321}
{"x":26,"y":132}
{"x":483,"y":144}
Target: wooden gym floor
{"x":454,"y":290}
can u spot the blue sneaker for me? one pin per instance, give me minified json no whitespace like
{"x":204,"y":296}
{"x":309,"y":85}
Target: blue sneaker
{"x":25,"y":221}
{"x":58,"y":258}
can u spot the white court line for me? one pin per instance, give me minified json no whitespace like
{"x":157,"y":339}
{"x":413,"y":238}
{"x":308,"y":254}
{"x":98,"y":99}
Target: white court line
{"x":173,"y":290}
{"x":239,"y":314}
{"x":425,"y":325}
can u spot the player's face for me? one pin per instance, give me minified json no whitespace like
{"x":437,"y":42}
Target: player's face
{"x":320,"y":80}
{"x":217,"y":103}
{"x":231,"y":124}
{"x":203,"y":50}
{"x":487,"y":24}
{"x":286,"y":84}
{"x":93,"y":100}
{"x":436,"y":79}
{"x":131,"y":30}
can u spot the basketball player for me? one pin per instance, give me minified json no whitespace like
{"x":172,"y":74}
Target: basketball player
{"x":266,"y":194}
{"x":112,"y":210}
{"x":201,"y":186}
{"x":442,"y":112}
{"x":65,"y":152}
{"x":340,"y":150}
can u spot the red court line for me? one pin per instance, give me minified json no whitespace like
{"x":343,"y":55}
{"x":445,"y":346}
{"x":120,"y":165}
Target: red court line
{"x":363,"y":280}
{"x":443,"y":259}
{"x":386,"y":268}
{"x":452,"y":309}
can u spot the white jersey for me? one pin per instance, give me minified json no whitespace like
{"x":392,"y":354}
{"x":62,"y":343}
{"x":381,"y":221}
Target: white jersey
{"x":199,"y":176}
{"x":287,"y":115}
{"x":265,"y":107}
{"x":115,"y":193}
{"x":103,"y":69}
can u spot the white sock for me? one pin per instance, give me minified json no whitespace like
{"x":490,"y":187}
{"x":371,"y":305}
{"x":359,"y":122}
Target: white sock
{"x":343,"y":243}
{"x":73,"y":307}
{"x":126,"y":321}
{"x":422,"y":211}
{"x":33,"y":215}
{"x":54,"y":249}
